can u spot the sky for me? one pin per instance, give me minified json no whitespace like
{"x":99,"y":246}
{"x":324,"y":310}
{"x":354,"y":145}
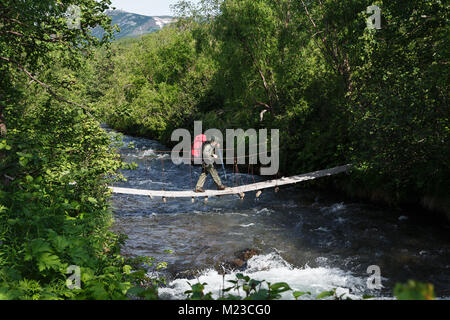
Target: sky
{"x":145,"y":7}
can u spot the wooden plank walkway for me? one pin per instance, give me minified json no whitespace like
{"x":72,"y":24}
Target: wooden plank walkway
{"x":235,"y":190}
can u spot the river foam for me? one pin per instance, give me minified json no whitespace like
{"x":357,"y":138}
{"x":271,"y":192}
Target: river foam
{"x":272,"y":268}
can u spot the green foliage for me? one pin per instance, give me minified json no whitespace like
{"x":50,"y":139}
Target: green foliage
{"x":401,"y":99}
{"x":55,"y":211}
{"x":34,"y":30}
{"x":338,"y":92}
{"x":332,"y":294}
{"x":298,"y":294}
{"x":196,"y":292}
{"x":326,"y":294}
{"x":413,"y":290}
{"x":153,"y":84}
{"x":254,"y":290}
{"x":56,"y":161}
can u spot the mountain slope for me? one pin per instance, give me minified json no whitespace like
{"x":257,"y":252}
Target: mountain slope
{"x":134,"y":25}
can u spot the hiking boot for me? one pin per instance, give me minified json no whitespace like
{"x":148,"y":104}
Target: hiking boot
{"x":199,"y":190}
{"x":221,"y":187}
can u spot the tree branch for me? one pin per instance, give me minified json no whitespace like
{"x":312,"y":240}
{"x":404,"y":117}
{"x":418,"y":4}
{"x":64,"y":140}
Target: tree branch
{"x":44,"y":85}
{"x":32,"y":37}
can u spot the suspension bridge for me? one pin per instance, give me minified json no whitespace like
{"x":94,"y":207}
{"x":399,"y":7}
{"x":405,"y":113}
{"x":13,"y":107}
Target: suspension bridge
{"x":238,"y":190}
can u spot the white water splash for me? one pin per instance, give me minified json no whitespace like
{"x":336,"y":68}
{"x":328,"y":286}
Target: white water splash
{"x":334,"y":208}
{"x":247,"y":225}
{"x":323,"y":229}
{"x":340,"y":220}
{"x":272,"y":268}
{"x":263,"y":211}
{"x":148,"y":153}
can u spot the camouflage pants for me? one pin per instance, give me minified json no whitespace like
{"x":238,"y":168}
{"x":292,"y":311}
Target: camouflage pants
{"x":208,"y":169}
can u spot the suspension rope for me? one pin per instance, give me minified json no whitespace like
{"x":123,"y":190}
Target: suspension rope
{"x":171,"y":151}
{"x":276,"y":183}
{"x":253,"y":175}
{"x":190,"y":169}
{"x":162,"y":173}
{"x":226,"y":158}
{"x":237,"y":172}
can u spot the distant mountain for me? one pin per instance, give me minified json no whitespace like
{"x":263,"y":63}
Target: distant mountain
{"x":134,"y":25}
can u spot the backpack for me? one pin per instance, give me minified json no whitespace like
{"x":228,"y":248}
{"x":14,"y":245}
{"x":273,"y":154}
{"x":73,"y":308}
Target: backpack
{"x":197,"y":149}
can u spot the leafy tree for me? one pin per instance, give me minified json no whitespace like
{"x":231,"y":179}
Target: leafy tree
{"x":36,"y":33}
{"x":55,"y":161}
{"x":338,"y":91}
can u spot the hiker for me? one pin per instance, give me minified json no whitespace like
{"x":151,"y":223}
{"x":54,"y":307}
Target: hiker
{"x":208,"y":166}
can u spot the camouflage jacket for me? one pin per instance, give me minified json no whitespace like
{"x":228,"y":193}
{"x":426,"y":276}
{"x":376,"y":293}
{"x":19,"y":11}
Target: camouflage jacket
{"x":208,"y":154}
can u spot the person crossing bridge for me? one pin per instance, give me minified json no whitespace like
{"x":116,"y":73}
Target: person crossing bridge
{"x":208,"y":165}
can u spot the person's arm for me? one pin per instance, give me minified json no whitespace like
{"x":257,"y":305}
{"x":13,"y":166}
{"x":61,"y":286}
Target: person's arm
{"x":213,"y":153}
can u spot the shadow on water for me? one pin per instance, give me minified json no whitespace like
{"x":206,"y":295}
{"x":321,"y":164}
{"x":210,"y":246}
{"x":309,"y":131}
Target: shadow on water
{"x":314,"y":241}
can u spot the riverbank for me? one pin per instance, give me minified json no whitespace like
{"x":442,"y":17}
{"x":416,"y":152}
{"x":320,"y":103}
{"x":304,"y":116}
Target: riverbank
{"x":433,"y":206}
